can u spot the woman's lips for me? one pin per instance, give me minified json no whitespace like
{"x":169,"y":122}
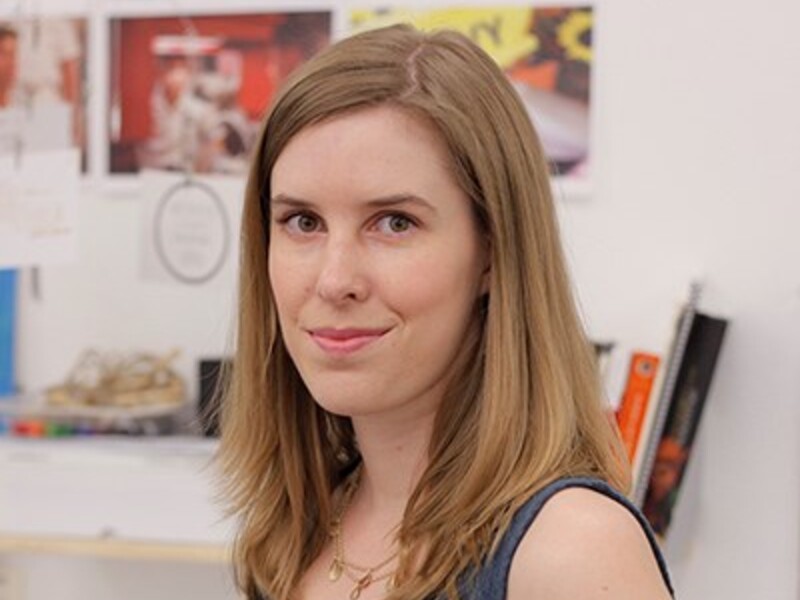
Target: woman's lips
{"x":345,"y":341}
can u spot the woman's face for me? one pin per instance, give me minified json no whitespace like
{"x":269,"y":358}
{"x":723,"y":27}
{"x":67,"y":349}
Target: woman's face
{"x":375,"y":262}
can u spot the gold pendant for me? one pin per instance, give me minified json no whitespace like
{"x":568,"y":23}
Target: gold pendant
{"x":390,"y":585}
{"x":335,"y":572}
{"x":361,"y":585}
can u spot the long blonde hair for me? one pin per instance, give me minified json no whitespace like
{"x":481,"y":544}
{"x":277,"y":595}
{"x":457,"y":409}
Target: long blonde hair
{"x":525,"y":407}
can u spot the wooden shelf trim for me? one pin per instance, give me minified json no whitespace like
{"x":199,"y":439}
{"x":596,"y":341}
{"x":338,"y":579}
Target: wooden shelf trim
{"x":115,"y":548}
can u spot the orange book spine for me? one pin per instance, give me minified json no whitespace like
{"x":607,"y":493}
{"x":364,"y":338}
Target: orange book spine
{"x":635,"y":399}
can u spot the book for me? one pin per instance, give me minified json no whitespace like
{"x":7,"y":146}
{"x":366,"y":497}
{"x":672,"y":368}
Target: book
{"x":663,"y":387}
{"x":8,"y":297}
{"x":683,"y":418}
{"x":635,"y":399}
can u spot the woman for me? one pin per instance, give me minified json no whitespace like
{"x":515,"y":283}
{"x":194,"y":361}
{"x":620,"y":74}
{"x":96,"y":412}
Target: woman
{"x":412,"y":382}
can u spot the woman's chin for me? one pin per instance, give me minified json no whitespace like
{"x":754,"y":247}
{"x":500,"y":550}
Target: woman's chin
{"x":345,"y":407}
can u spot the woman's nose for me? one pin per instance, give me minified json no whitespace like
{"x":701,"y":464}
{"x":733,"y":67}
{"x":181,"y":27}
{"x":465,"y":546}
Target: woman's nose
{"x":341,"y":277}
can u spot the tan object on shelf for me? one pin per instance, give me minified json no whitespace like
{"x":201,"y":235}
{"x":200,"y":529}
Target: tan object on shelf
{"x":121,"y":382}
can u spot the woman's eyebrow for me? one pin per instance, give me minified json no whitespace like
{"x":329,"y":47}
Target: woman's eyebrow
{"x":400,"y":199}
{"x":283,"y":199}
{"x":380,"y":202}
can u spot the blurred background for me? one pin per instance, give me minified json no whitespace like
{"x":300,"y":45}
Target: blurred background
{"x":674,"y":136}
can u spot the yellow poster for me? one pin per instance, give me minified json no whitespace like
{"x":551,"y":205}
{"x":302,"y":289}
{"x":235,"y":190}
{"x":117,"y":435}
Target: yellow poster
{"x":546,"y":53}
{"x":505,"y":33}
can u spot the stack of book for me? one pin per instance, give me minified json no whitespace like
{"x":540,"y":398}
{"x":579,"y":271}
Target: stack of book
{"x":661,"y":405}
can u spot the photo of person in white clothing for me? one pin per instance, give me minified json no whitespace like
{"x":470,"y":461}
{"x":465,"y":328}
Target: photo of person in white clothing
{"x":41,"y":82}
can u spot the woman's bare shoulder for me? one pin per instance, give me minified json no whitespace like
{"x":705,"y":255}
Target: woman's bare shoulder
{"x":585,"y":545}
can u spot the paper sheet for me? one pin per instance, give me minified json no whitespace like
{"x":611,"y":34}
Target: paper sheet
{"x":38,"y":208}
{"x":190,"y":228}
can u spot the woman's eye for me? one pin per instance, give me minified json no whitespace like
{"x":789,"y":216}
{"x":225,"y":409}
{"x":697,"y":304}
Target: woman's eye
{"x":302,"y":223}
{"x":395,"y":223}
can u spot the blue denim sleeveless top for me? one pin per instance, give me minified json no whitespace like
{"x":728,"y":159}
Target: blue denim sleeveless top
{"x":490,"y":582}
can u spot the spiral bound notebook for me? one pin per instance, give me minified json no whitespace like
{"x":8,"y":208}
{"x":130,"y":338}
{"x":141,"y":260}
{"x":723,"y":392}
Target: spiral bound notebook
{"x":663,"y":391}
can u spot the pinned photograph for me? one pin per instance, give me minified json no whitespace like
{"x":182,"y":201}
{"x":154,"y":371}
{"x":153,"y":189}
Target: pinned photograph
{"x":188,"y":93}
{"x":42,"y":85}
{"x":547,"y":55}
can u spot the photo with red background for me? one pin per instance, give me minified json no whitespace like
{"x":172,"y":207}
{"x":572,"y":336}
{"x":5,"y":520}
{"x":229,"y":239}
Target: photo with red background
{"x":268,"y":47}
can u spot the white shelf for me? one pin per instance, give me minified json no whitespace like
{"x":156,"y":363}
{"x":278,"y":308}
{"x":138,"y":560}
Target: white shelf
{"x":141,"y":497}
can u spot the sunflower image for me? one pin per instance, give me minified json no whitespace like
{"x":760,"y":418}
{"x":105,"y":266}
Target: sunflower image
{"x":574,"y":35}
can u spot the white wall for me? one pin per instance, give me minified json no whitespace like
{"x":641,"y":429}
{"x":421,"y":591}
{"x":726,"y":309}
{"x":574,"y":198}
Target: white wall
{"x":696,"y":143}
{"x":698,"y":150}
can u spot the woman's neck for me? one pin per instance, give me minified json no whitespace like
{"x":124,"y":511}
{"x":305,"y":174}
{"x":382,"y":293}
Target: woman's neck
{"x":394,"y":454}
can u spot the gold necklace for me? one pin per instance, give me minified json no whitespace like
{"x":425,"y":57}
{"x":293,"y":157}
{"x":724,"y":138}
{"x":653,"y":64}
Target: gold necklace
{"x":361,"y":576}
